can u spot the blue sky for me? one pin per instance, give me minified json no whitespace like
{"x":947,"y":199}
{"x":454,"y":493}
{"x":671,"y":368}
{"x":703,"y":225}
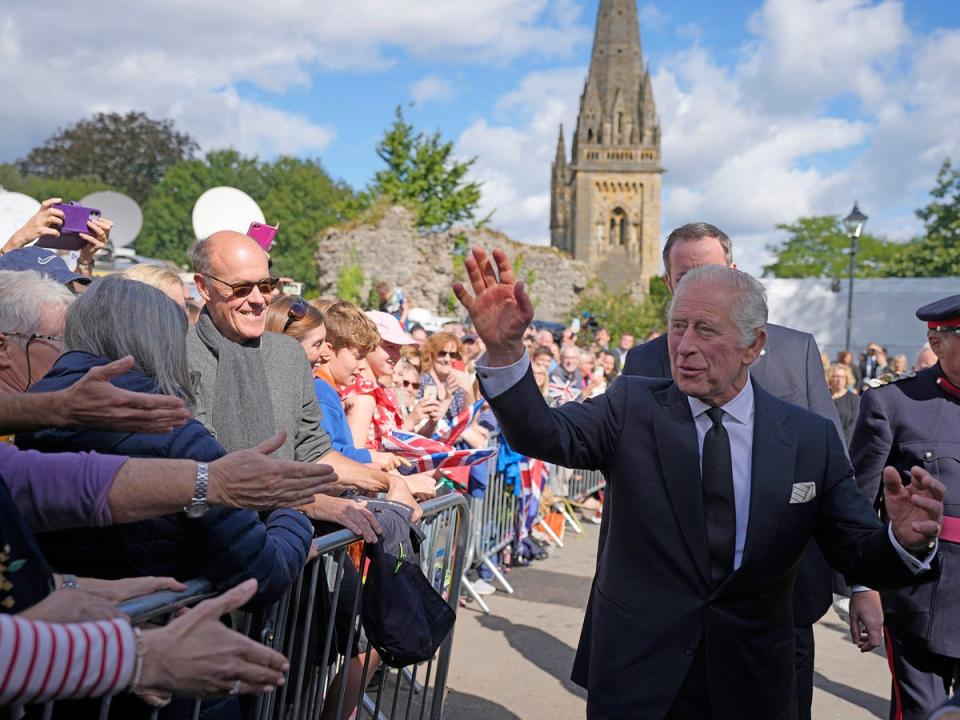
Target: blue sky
{"x":770,"y":110}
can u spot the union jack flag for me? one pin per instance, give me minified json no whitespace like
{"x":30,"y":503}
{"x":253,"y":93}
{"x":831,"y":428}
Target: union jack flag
{"x":564,"y":392}
{"x":451,"y":459}
{"x":410,"y":445}
{"x":429,"y":454}
{"x":449,"y":433}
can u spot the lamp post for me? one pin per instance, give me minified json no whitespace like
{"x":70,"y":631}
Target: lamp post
{"x":853,"y":224}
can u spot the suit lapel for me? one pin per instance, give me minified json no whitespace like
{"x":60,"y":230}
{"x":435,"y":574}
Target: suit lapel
{"x":680,"y":459}
{"x":772,"y":474}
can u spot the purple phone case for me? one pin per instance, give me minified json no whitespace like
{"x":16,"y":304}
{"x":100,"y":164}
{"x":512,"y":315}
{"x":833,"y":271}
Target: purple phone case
{"x":263,"y":234}
{"x":75,"y":219}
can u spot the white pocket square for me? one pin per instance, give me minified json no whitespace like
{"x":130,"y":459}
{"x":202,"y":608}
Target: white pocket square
{"x":803,"y":492}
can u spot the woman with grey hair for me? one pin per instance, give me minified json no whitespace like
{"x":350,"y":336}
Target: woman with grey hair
{"x":118,"y":317}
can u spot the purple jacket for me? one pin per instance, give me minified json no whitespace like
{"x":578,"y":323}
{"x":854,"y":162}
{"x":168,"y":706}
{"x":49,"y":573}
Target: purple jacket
{"x":54,"y":491}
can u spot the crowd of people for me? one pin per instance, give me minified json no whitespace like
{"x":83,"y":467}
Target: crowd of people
{"x":147,"y":446}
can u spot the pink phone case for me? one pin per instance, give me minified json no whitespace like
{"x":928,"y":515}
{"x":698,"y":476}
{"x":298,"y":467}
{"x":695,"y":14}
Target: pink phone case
{"x":263,"y":234}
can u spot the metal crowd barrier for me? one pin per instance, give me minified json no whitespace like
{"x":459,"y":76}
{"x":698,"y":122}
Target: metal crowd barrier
{"x":316,"y":624}
{"x":493,"y":517}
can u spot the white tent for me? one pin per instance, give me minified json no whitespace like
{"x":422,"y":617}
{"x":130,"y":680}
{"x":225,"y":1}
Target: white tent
{"x":883,"y":310}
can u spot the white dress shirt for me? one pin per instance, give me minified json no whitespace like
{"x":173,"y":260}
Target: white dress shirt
{"x":738,"y":421}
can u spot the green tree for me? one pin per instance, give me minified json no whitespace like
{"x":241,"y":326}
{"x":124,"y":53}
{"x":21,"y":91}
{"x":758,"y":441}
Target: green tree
{"x":622,"y":313}
{"x":305,"y":200}
{"x":128,"y":152}
{"x":937,"y":253}
{"x":818,"y":247}
{"x":41,"y":188}
{"x":299,"y":194}
{"x":422,"y":172}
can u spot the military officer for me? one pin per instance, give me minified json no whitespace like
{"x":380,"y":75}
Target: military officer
{"x":914,"y":420}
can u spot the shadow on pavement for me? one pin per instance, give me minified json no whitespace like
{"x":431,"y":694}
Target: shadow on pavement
{"x":539,"y":648}
{"x":552,"y":588}
{"x":471,"y":707}
{"x":877,"y":706}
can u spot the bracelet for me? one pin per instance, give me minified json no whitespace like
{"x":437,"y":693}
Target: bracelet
{"x":138,"y":662}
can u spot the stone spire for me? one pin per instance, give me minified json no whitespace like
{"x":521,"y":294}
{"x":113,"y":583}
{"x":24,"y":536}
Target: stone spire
{"x":560,"y":162}
{"x":611,"y":107}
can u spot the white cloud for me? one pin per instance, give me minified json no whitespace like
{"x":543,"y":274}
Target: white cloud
{"x":513,"y":161}
{"x":182,"y":57}
{"x":761,"y":142}
{"x":430,"y":88}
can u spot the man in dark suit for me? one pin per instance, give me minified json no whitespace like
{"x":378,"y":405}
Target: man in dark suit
{"x":789,"y":368}
{"x":914,"y":419}
{"x":718,"y":487}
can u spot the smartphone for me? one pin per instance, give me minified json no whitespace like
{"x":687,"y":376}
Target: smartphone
{"x":458,"y":365}
{"x":292,"y":288}
{"x":430,"y":392}
{"x":263,"y":234}
{"x":75,"y":218}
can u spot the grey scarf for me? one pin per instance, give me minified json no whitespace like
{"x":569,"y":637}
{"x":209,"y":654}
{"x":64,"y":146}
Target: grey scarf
{"x":242,"y":410}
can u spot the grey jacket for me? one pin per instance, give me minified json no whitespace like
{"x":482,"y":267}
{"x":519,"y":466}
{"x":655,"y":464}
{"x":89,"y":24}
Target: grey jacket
{"x":295,"y":406}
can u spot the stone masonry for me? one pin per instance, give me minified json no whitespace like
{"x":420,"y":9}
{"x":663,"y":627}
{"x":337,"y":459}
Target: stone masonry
{"x":425,"y":265}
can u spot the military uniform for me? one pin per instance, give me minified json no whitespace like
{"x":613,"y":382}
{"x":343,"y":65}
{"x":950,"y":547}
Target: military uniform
{"x":914,"y":420}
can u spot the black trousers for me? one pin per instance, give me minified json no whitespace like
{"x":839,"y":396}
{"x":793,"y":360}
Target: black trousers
{"x":921,"y":679}
{"x":803,"y":667}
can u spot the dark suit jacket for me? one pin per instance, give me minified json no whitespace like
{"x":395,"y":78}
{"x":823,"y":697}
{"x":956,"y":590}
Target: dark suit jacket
{"x":790,"y":369}
{"x":651,"y":604}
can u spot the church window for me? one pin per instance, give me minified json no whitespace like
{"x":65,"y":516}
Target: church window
{"x":589,"y":135}
{"x":619,"y":227}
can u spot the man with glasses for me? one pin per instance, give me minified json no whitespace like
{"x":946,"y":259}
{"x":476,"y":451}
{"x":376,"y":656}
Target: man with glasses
{"x":914,"y":420}
{"x":32,"y":314}
{"x":251,"y":383}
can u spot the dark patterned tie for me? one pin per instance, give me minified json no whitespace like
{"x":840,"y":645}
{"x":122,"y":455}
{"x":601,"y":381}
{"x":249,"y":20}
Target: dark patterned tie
{"x":721,"y":514}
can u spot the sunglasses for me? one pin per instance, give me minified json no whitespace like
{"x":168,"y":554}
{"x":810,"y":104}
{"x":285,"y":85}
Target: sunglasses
{"x":452,"y":355}
{"x":241,"y":290}
{"x":409,"y":384}
{"x":295,"y":312}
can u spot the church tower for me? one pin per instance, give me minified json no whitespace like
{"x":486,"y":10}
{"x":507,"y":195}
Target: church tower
{"x":605,"y":203}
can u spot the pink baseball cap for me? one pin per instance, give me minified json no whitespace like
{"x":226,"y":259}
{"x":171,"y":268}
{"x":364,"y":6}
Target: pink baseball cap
{"x":390,"y":329}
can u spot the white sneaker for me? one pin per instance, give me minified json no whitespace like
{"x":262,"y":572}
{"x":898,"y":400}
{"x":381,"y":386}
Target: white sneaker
{"x":482,"y":587}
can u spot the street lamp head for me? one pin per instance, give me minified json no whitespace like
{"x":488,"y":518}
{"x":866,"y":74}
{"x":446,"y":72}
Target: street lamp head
{"x":854,"y":222}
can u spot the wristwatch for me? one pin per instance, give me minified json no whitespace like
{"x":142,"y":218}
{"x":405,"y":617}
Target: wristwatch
{"x":198,"y":503}
{"x":69,"y":582}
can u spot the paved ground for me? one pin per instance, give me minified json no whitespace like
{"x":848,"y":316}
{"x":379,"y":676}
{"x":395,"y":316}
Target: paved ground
{"x":515,"y":662}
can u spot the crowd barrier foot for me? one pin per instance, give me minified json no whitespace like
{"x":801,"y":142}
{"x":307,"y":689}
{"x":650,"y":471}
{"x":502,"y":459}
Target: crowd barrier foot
{"x":548,"y":531}
{"x":477,"y":598}
{"x":568,"y":517}
{"x":498,"y":576}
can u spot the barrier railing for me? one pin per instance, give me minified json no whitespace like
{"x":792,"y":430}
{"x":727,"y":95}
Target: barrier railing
{"x":316,"y":624}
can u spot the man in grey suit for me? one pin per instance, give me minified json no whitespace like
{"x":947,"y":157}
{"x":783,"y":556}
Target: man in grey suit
{"x":789,"y":368}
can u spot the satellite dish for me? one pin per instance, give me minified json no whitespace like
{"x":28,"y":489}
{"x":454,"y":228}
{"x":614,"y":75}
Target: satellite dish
{"x":15,"y":210}
{"x":224,"y":208}
{"x":122,"y":210}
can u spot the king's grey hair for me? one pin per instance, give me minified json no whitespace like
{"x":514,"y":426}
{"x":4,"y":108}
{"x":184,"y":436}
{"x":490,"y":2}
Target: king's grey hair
{"x":117,"y":316}
{"x":746,"y":295}
{"x":24,"y":296}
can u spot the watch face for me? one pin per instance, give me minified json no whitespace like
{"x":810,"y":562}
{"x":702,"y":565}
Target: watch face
{"x":196,"y":510}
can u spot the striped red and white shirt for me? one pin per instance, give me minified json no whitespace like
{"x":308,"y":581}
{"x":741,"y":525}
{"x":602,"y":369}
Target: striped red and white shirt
{"x":42,"y":661}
